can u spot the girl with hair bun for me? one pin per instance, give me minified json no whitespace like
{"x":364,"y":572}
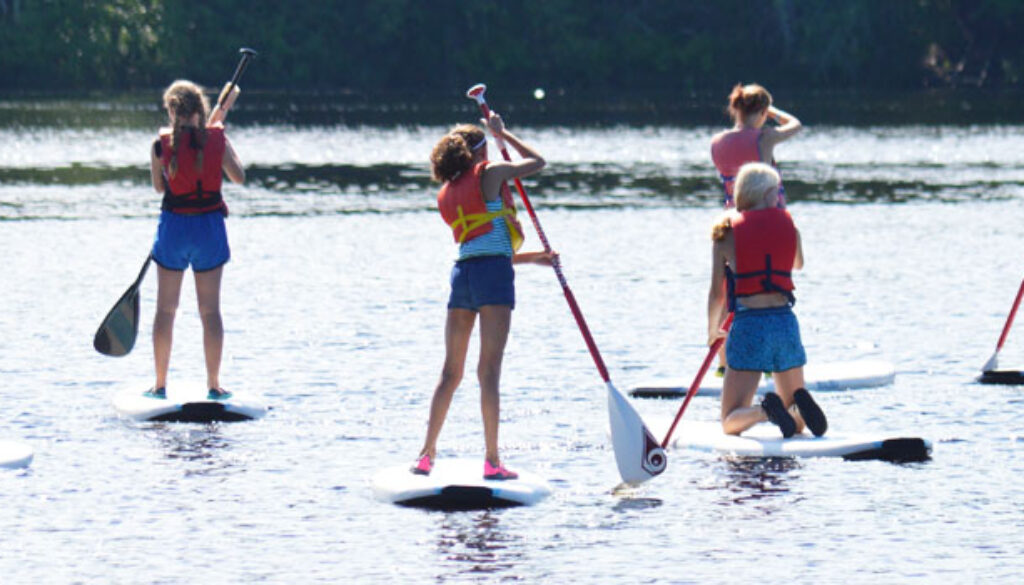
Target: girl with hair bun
{"x":475,"y":202}
{"x":755,"y":249}
{"x":749,"y":140}
{"x":187,"y":162}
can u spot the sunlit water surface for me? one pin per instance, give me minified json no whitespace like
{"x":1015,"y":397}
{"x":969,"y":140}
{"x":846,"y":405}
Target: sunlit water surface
{"x":334,"y":307}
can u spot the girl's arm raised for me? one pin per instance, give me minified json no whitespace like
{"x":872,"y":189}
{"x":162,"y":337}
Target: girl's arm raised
{"x":232,"y":165}
{"x":219,"y":113}
{"x":501,"y":171}
{"x":787,"y":127}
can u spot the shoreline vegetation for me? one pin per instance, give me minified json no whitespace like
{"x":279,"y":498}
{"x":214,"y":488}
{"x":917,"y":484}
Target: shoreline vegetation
{"x":575,"y":45}
{"x":563,"y":107}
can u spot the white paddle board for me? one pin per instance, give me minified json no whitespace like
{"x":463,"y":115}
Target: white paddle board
{"x":188,"y":403}
{"x":14,"y":455}
{"x":458,"y":484}
{"x":765,"y":440}
{"x":818,"y":377}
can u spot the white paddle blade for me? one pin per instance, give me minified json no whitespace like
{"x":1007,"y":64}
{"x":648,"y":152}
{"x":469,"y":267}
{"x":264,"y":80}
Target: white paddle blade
{"x":637,"y":453}
{"x":992,"y":364}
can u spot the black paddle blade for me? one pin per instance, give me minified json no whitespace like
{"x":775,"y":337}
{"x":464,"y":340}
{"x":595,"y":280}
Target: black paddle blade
{"x":116,"y":334}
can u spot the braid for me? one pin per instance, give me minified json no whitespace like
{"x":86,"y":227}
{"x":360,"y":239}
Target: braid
{"x":175,"y":139}
{"x":184,"y":100}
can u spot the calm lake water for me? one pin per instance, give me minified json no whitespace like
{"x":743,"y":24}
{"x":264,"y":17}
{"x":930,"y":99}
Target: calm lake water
{"x":334,"y":307}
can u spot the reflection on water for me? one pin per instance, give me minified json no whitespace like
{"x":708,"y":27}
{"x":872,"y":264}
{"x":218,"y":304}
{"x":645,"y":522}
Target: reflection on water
{"x":749,"y":479}
{"x":203,"y":447}
{"x":477,"y":543}
{"x":628,"y":504}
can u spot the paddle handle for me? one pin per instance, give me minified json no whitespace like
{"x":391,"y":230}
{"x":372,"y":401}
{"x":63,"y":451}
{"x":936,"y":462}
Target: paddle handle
{"x":697,"y":380}
{"x":1009,"y":318}
{"x":247,"y":54}
{"x":477,"y":93}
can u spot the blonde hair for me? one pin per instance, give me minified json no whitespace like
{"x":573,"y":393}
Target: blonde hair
{"x":453,"y":154}
{"x":753,"y":182}
{"x":184,"y":99}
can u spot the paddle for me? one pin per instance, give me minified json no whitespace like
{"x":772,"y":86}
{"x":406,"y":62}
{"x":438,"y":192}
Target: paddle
{"x":712,"y":351}
{"x":992,"y":362}
{"x":247,"y":54}
{"x":637,"y":453}
{"x":116,"y":334}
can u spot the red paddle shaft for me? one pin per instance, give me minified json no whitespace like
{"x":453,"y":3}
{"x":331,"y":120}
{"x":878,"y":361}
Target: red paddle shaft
{"x":696,"y":381}
{"x":477,"y":93}
{"x":1009,"y":319}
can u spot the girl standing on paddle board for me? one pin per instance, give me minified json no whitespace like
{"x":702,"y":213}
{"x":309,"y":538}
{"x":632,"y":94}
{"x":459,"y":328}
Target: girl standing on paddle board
{"x":187,"y":162}
{"x":755,"y":248}
{"x":475,"y":202}
{"x":749,"y":140}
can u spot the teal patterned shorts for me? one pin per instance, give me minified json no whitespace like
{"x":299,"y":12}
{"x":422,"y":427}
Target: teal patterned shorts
{"x":765,"y":340}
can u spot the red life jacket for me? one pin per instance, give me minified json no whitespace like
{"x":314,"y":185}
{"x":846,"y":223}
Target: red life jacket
{"x":462,"y":206}
{"x":766,"y":243}
{"x":732,"y":149}
{"x":190,"y":190}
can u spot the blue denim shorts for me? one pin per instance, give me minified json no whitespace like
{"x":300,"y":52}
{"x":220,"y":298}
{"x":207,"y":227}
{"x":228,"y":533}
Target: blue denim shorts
{"x":765,"y":340}
{"x":483,"y":280}
{"x":200,"y":241}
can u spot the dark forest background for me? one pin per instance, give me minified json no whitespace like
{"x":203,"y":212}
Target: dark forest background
{"x":434,"y":45}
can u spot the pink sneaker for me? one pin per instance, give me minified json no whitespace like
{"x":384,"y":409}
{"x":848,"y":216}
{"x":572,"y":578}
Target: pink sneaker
{"x":423,"y":466}
{"x":499,"y":472}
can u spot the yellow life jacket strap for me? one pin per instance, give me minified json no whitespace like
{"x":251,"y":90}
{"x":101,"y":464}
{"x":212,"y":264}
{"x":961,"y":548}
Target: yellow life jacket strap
{"x":472,"y":221}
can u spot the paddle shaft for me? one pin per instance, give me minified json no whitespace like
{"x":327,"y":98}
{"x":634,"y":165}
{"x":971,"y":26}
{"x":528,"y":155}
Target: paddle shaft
{"x":569,"y":297}
{"x":1009,"y":318}
{"x":697,"y":380}
{"x":142,"y":271}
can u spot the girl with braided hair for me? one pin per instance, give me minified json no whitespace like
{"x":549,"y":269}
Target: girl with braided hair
{"x":187,"y":162}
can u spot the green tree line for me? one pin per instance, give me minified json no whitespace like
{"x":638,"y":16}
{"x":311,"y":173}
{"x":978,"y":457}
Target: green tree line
{"x":433,"y":45}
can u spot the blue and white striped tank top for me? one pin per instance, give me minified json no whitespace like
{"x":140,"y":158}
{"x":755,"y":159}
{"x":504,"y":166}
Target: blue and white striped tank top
{"x":494,"y":243}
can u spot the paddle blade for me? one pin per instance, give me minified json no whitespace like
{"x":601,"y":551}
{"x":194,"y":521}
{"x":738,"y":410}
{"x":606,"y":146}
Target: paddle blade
{"x":992,"y":364}
{"x":116,"y":335}
{"x":637,"y":453}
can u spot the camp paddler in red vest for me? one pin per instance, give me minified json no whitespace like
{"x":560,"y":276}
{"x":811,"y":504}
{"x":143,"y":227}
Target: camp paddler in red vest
{"x":475,"y":203}
{"x":186,"y":163}
{"x":749,"y":140}
{"x":755,"y":249}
